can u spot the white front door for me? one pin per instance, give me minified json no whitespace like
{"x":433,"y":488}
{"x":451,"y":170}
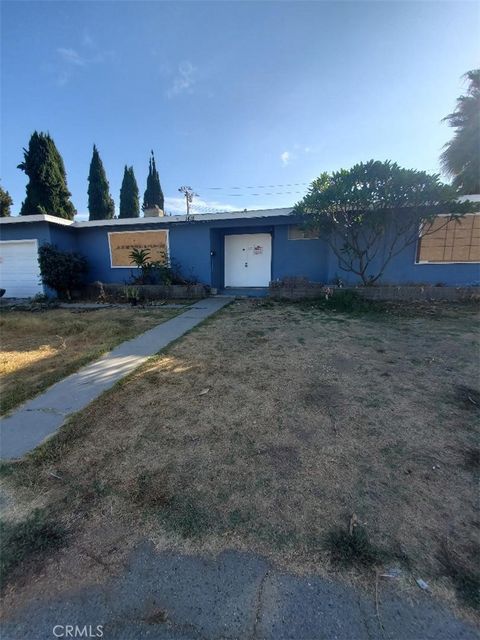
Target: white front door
{"x":248,"y":260}
{"x":19,"y":269}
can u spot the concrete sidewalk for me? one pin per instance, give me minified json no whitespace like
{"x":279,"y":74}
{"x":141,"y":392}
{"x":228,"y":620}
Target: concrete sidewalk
{"x":234,"y":596}
{"x":37,"y":419}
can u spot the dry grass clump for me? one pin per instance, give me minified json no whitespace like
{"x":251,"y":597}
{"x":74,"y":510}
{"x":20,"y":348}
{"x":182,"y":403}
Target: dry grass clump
{"x":40,"y":348}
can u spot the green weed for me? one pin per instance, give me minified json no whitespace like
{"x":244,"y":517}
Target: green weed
{"x":31,"y":537}
{"x":353,"y":549}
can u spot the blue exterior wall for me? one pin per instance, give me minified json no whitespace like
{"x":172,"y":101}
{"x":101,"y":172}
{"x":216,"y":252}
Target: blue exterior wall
{"x":65,"y":238}
{"x":190,"y":250}
{"x":307,"y":258}
{"x":198,"y":248}
{"x":191,"y":245}
{"x":93,"y":244}
{"x":403,"y":269}
{"x":26,"y":231}
{"x":188,"y":245}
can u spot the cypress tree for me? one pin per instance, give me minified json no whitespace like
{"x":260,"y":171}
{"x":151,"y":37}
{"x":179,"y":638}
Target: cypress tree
{"x":47,"y":190}
{"x":5,"y":203}
{"x":129,"y":197}
{"x":153,"y":194}
{"x":100,"y":202}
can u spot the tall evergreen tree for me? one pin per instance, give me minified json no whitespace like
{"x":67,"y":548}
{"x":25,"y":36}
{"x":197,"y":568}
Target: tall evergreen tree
{"x":47,"y":190}
{"x":153,"y":194}
{"x":5,"y":203}
{"x":129,"y":196}
{"x":100,"y":202}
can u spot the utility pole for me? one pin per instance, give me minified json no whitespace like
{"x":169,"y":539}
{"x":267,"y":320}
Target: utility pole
{"x":189,"y":194}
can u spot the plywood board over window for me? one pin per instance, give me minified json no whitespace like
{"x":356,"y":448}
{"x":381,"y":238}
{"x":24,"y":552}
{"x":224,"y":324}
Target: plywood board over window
{"x":453,"y":241}
{"x":122,"y":243}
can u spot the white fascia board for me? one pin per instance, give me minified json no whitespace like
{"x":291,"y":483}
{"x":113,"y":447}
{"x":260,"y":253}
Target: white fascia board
{"x":36,"y":218}
{"x":121,"y":222}
{"x":200,"y":217}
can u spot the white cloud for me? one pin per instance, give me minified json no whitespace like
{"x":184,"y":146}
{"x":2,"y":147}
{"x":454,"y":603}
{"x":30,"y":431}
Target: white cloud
{"x":184,"y":80}
{"x":71,"y":56}
{"x":297,"y":150}
{"x":69,"y":61}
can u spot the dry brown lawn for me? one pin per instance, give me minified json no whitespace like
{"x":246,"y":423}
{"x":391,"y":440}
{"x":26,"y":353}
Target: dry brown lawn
{"x":39,"y":348}
{"x":269,"y":426}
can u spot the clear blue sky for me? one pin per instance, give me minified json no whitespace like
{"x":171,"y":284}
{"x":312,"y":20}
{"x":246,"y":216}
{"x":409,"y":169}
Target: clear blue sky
{"x":231,"y":94}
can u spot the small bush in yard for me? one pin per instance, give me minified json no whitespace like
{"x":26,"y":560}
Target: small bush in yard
{"x":152,"y":271}
{"x":31,"y":537}
{"x":344,"y":301}
{"x":353,"y":548}
{"x":62,"y":271}
{"x":158,"y":272}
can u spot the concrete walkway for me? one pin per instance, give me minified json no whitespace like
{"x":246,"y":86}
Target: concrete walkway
{"x":234,"y":596}
{"x":37,"y":419}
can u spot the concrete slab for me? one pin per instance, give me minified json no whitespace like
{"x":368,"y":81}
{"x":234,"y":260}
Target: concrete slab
{"x":232,"y":596}
{"x":294,"y":607}
{"x":37,"y":419}
{"x":216,"y":596}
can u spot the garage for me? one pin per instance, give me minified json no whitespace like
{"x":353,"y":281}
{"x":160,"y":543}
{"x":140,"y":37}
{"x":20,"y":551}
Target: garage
{"x":19,"y":269}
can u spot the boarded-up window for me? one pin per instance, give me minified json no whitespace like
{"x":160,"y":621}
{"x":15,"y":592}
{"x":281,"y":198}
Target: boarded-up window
{"x":456,"y":241}
{"x":122,"y":244}
{"x":297,"y":232}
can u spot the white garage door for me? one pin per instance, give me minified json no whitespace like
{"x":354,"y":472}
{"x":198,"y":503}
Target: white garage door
{"x":19,"y":270}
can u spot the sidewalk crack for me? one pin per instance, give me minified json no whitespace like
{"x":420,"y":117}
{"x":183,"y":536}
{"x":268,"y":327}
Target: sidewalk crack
{"x":258,"y":604}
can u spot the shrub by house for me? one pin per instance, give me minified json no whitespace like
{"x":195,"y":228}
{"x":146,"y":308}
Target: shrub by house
{"x":62,"y":271}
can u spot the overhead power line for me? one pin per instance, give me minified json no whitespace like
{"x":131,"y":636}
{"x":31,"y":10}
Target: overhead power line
{"x":266,"y":193}
{"x":258,"y":186}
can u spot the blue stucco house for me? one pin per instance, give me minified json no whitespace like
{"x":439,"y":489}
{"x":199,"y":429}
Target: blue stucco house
{"x":245,"y":250}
